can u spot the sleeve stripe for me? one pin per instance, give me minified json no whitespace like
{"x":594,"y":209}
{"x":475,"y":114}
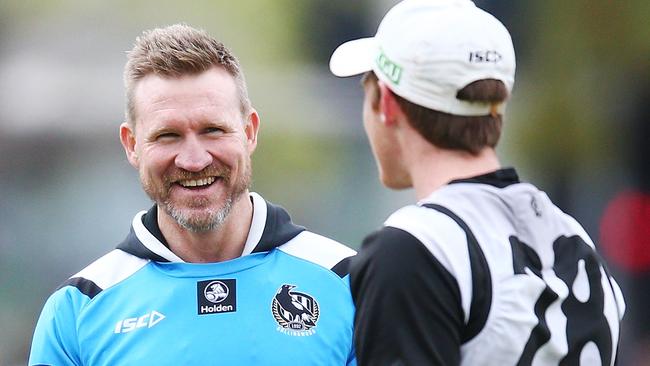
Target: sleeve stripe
{"x":342,"y":268}
{"x":85,"y":286}
{"x":481,"y":278}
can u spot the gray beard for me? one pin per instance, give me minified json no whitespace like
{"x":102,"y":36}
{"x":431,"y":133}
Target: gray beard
{"x":201,"y":224}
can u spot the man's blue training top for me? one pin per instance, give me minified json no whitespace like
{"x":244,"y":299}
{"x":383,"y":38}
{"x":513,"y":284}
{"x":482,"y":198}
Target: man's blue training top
{"x":285,"y":301}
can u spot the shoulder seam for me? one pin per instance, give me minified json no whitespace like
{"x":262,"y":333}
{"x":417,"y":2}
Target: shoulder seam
{"x":342,"y":268}
{"x":341,"y":279}
{"x":84,"y":285}
{"x":318,"y":249}
{"x":94,"y":278}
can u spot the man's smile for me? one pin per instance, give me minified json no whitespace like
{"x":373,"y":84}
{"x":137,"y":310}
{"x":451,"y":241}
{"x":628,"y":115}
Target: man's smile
{"x":202,"y":182}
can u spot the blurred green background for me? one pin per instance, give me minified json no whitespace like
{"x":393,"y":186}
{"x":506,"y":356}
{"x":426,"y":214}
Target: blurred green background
{"x":577,"y":126}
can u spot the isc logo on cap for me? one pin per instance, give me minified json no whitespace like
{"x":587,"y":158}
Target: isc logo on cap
{"x":488,"y":56}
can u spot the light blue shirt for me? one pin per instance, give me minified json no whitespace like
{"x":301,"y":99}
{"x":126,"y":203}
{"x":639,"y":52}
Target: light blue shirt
{"x":286,"y":300}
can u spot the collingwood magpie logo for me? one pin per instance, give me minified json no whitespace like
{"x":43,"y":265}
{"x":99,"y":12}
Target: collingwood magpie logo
{"x":216,"y":296}
{"x":295,"y":312}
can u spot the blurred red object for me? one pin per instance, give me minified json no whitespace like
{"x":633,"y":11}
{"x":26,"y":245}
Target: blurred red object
{"x":625,"y":231}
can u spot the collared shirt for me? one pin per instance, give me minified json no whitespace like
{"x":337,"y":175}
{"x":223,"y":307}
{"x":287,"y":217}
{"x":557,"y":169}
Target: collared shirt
{"x":286,"y":300}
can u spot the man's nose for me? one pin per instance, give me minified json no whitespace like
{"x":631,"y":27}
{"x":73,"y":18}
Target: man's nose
{"x":193,"y":156}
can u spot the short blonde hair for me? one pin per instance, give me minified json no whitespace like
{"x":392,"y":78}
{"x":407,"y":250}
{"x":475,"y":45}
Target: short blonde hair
{"x":174,"y":51}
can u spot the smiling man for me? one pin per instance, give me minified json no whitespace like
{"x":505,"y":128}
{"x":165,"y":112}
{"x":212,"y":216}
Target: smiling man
{"x":211,"y":270}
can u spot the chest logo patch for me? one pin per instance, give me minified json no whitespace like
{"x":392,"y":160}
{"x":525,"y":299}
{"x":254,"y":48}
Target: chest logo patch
{"x":295,"y":312}
{"x":216,"y":296}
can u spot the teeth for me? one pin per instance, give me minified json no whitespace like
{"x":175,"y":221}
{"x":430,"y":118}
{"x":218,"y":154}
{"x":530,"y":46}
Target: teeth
{"x":197,"y":182}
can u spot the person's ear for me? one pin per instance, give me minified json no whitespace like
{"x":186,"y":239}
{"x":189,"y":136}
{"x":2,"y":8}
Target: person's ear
{"x":127,"y":138}
{"x":389,"y":108}
{"x":251,"y":129}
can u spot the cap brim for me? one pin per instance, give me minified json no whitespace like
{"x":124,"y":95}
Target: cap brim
{"x":354,"y":57}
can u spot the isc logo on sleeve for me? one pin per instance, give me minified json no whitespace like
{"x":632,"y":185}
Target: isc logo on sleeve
{"x":147,"y":320}
{"x":216,"y":296}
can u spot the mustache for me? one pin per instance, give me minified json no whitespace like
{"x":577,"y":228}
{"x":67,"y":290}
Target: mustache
{"x":211,"y":171}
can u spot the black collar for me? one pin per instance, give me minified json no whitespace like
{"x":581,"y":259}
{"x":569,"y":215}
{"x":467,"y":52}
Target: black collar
{"x":150,"y":221}
{"x":146,"y":240}
{"x":499,"y":178}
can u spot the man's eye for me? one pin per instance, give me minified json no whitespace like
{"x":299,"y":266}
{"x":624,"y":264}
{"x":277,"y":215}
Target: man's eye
{"x":213,"y":130}
{"x":166,"y":136}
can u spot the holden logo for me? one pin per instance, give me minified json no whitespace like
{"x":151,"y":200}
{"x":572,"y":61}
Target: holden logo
{"x":216,"y":296}
{"x":216,"y":292}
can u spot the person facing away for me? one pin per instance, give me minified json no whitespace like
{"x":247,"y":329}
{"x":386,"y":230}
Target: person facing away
{"x":212,"y":273}
{"x":484,"y":269}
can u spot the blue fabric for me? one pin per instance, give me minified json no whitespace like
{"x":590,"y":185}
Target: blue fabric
{"x":152,"y":317}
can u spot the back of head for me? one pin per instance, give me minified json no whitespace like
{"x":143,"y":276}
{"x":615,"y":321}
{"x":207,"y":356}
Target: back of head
{"x":450,"y":64}
{"x":175,"y":51}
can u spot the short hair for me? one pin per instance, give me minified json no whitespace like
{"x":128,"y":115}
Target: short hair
{"x":175,"y":51}
{"x":465,"y":133}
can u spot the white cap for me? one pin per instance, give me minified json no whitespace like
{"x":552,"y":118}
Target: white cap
{"x":427,"y":50}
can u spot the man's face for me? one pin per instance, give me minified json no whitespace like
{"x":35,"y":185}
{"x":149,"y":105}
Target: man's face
{"x":192,"y":146}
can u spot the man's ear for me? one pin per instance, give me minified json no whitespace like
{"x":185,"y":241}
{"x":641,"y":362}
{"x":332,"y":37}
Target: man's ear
{"x":388,"y":106}
{"x":251,"y":129}
{"x":127,"y":138}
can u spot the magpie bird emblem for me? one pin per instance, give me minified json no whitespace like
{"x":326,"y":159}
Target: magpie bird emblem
{"x":295,"y":312}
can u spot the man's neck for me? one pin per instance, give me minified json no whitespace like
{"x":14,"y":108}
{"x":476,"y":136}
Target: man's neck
{"x":438,"y":167}
{"x":221,"y":244}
